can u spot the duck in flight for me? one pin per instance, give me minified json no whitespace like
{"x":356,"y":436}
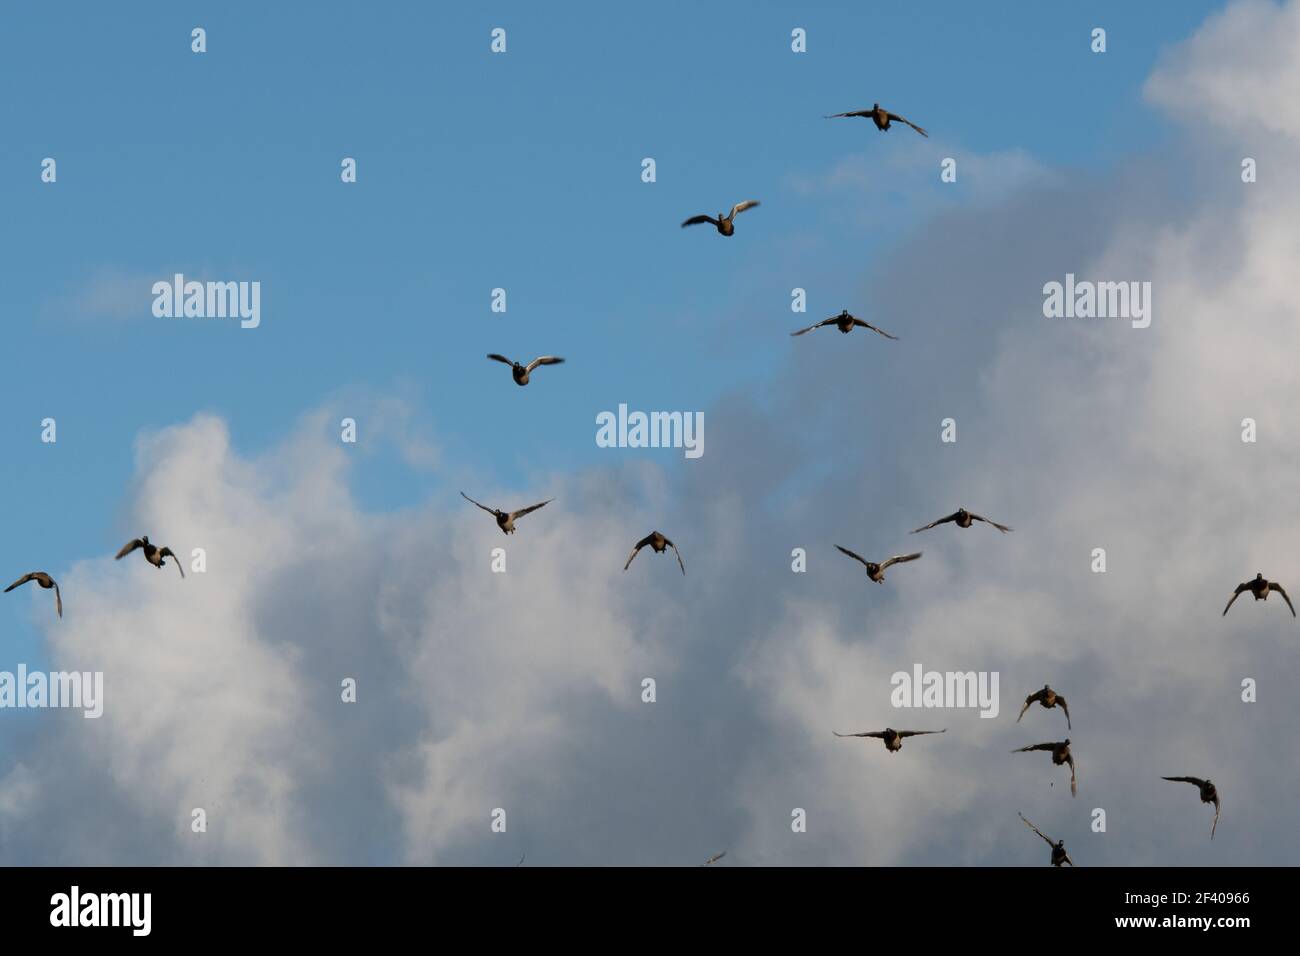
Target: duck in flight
{"x":893,"y":738}
{"x":1208,"y":795}
{"x":714,"y":859}
{"x":520,"y":372}
{"x":1059,"y":855}
{"x":846,"y":323}
{"x":724,"y":223}
{"x":1259,"y":587}
{"x":882,"y":118}
{"x":876,"y":572}
{"x":1049,"y":699}
{"x":152,"y":553}
{"x":964,"y":519}
{"x":506,"y":520}
{"x":659,"y":544}
{"x":45,"y":581}
{"x":1060,"y":755}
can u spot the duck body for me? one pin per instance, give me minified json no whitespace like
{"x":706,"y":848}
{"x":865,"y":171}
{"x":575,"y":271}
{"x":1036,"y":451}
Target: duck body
{"x":519,"y":374}
{"x":893,"y":742}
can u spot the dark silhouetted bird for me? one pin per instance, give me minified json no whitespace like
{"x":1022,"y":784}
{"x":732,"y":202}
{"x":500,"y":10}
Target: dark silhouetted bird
{"x":506,"y":519}
{"x":723,"y":223}
{"x":45,"y":581}
{"x":153,"y":554}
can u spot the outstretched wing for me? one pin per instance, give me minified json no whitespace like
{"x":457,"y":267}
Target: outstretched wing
{"x":1217,"y":807}
{"x":1001,"y":527}
{"x":696,"y":220}
{"x":1065,"y":707}
{"x":895,"y":118}
{"x":1240,"y":588}
{"x":935,"y":524}
{"x":1197,"y":781}
{"x":1050,"y":841}
{"x":1074,"y":777}
{"x":21,"y":581}
{"x":1036,"y":696}
{"x":920,"y":733}
{"x":1068,"y":860}
{"x":815,"y":325}
{"x":854,"y":113}
{"x":637,"y":550}
{"x":531,"y":508}
{"x":871,"y":733}
{"x":678,"y":553}
{"x":899,"y":559}
{"x":129,"y":547}
{"x":500,"y":358}
{"x":169,"y":553}
{"x":58,"y":599}
{"x":544,"y":360}
{"x":1274,"y":586}
{"x":856,"y":557}
{"x":473,"y":502}
{"x":868,"y":325}
{"x":1020,"y":750}
{"x":742,"y":206}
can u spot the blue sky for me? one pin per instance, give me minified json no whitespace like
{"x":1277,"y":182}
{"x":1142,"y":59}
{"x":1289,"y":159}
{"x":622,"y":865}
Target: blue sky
{"x":475,"y":171}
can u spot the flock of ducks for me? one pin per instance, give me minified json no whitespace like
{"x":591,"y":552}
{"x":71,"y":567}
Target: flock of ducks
{"x":1048,"y":698}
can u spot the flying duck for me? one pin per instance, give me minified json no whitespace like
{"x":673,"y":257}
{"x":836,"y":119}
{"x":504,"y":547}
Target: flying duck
{"x":152,"y":553}
{"x":520,"y":372}
{"x":1059,"y":855}
{"x":724,"y":223}
{"x":45,"y":581}
{"x":506,"y":520}
{"x":1049,"y":699}
{"x":714,"y":859}
{"x":1060,"y":754}
{"x":877,"y":571}
{"x":893,"y":738}
{"x":964,"y":519}
{"x":882,"y":118}
{"x":659,"y":544}
{"x":1260,"y":588}
{"x":1208,"y":795}
{"x":845,"y":323}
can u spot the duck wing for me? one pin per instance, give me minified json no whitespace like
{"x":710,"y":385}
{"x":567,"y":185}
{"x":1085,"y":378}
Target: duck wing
{"x":544,"y":360}
{"x":856,"y":557}
{"x":1050,"y":841}
{"x":531,"y":508}
{"x":169,"y":553}
{"x":935,"y":524}
{"x":1274,"y":586}
{"x":868,"y":325}
{"x":129,"y":547}
{"x":1001,"y":527}
{"x":895,"y":118}
{"x":696,"y":220}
